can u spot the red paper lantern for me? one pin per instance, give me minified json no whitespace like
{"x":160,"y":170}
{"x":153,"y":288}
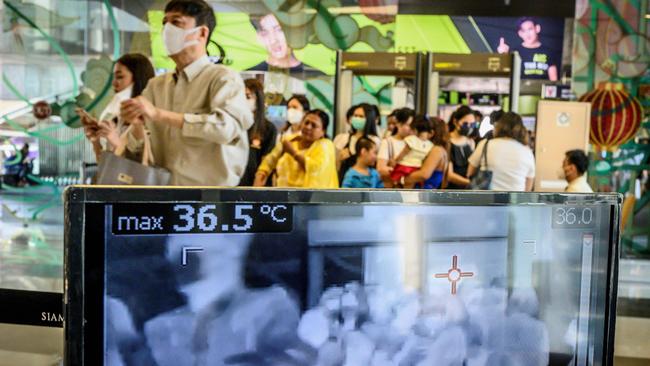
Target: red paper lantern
{"x":615,"y":115}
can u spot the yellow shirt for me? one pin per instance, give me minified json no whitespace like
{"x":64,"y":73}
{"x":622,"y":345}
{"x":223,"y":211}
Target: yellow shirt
{"x":320,"y":165}
{"x":579,"y":185}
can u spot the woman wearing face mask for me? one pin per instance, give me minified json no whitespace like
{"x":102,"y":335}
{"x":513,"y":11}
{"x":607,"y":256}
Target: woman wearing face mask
{"x":130,"y":76}
{"x":261,"y":135}
{"x":297,"y":105}
{"x":362,"y":123}
{"x":308,"y":160}
{"x":461,"y":125}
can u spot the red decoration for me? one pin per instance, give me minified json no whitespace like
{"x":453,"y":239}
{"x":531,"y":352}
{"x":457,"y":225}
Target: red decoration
{"x":615,"y":115}
{"x":42,"y":110}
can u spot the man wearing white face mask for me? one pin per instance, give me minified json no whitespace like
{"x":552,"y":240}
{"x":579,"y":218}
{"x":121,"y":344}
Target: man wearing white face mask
{"x":197,"y":116}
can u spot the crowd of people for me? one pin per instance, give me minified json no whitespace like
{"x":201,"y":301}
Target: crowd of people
{"x":207,"y":127}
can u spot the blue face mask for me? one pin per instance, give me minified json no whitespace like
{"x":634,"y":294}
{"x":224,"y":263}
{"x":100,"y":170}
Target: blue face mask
{"x":358,"y":123}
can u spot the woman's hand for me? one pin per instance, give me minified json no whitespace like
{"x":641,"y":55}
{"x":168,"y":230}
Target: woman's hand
{"x":287,"y":147}
{"x":89,"y":124}
{"x":108,"y":130}
{"x":344,"y":154}
{"x":260,"y":179}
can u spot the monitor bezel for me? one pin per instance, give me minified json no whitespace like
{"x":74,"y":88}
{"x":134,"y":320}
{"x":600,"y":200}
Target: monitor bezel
{"x":83,"y":294}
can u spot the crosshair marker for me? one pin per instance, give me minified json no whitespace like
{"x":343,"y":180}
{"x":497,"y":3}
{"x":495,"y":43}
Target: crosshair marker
{"x":454,"y":274}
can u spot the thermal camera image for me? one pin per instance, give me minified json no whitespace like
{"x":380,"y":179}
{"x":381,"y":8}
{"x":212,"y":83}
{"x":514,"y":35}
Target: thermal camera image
{"x":351,"y":285}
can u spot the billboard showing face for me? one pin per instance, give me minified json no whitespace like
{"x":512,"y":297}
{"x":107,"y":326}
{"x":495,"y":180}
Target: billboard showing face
{"x":539,"y":42}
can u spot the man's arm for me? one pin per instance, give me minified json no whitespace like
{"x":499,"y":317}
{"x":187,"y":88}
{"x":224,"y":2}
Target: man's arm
{"x":130,"y":113}
{"x":228,"y":118}
{"x":229,"y":115}
{"x":552,"y":73}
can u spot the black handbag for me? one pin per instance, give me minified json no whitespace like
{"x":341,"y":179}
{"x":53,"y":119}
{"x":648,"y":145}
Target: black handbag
{"x":483,"y":177}
{"x":347,"y":163}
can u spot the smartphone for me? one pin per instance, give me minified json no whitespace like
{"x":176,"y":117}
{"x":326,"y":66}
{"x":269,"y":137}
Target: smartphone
{"x":83,"y":113}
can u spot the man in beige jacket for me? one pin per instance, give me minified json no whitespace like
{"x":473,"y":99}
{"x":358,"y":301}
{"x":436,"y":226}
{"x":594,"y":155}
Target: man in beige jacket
{"x":197,"y":115}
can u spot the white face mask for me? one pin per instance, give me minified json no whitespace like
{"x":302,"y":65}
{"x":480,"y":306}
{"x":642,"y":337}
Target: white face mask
{"x":112,"y":110}
{"x":252,"y":104}
{"x":294,"y":116}
{"x":174,"y":38}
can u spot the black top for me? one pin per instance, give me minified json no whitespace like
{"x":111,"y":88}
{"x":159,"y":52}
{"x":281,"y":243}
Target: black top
{"x":458,"y":157}
{"x":256,"y":153}
{"x":535,"y":62}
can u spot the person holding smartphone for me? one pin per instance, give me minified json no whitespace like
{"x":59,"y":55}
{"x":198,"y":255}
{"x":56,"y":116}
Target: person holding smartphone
{"x":131,"y":74}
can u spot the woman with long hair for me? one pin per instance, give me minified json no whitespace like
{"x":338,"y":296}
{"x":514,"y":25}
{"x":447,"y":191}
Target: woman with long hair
{"x":433,"y":173}
{"x":261,"y":135}
{"x":131,"y":74}
{"x":508,"y":156}
{"x":362,"y":124}
{"x":461,"y":125}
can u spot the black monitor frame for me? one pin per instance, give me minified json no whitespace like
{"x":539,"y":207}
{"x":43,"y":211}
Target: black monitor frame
{"x":83,"y":290}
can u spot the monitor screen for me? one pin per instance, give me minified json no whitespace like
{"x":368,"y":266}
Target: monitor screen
{"x":538,"y":40}
{"x":350,"y":278}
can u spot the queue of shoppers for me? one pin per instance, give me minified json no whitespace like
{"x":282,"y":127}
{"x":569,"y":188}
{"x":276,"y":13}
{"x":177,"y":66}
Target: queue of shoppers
{"x":206,"y":126}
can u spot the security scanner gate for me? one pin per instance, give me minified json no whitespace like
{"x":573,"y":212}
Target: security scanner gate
{"x":410,"y":66}
{"x":482,"y":80}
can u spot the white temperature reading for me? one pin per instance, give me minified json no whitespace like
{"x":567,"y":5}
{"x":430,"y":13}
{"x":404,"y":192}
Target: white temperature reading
{"x":240,"y":215}
{"x":229,"y":218}
{"x":207,"y":220}
{"x":573,"y":216}
{"x":187,"y":216}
